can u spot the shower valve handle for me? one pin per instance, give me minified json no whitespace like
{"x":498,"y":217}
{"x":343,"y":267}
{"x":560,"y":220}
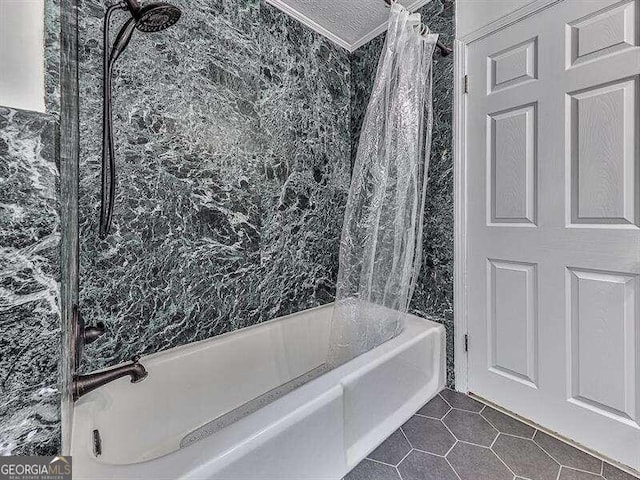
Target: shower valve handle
{"x":93,"y":332}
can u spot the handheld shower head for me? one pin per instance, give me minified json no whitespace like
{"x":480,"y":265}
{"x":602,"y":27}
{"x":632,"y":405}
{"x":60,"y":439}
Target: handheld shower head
{"x":152,"y":17}
{"x":157,"y":16}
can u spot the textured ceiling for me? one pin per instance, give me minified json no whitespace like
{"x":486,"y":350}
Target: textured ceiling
{"x":349,"y":23}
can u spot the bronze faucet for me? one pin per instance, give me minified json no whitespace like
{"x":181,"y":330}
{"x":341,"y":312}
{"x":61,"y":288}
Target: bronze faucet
{"x":83,"y":384}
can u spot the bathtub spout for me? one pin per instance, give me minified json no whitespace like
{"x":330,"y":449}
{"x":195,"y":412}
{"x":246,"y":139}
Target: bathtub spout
{"x":83,"y":384}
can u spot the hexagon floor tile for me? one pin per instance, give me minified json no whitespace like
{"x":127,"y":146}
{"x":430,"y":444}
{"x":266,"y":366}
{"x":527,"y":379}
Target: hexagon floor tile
{"x":392,"y":450}
{"x":455,"y":437}
{"x":425,"y":466}
{"x":525,"y":458}
{"x":428,"y":435}
{"x":472,"y":462}
{"x":470,"y":427}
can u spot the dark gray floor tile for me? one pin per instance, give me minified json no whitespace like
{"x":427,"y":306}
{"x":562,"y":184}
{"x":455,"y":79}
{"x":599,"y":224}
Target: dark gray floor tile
{"x":460,"y":400}
{"x":424,"y":466}
{"x":567,"y":473}
{"x":612,"y":473}
{"x":506,"y":424}
{"x":470,"y":427}
{"x":566,"y":454}
{"x":370,"y":470}
{"x":477,"y":463}
{"x":436,"y":408}
{"x":392,"y":450}
{"x":428,"y":434}
{"x":525,"y":458}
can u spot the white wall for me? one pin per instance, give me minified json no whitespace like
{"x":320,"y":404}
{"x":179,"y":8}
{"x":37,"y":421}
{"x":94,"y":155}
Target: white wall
{"x":22,"y":54}
{"x":473,"y":14}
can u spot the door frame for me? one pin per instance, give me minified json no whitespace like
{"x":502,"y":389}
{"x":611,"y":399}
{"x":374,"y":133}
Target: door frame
{"x":460,"y":303}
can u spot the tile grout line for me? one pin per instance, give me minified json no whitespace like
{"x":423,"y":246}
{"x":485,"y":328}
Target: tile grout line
{"x":452,"y":447}
{"x":380,"y":462}
{"x":494,"y":442}
{"x":407,"y":439}
{"x":403,"y":458}
{"x":429,"y":453}
{"x":467,"y":396}
{"x":475,"y":444}
{"x":429,"y":416}
{"x":505,"y":433}
{"x":581,"y":470}
{"x":444,"y":400}
{"x":455,"y":438}
{"x":567,"y":466}
{"x":503,"y":462}
{"x":516,"y":436}
{"x":449,"y":430}
{"x":452,"y":468}
{"x":550,"y":456}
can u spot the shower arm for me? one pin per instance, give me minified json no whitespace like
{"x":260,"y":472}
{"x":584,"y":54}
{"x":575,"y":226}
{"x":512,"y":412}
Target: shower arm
{"x":444,"y":50}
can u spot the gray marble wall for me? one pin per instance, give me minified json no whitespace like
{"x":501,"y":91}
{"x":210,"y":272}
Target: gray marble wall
{"x":433,"y":297}
{"x":234,"y":132}
{"x":29,"y":273}
{"x":232,"y":144}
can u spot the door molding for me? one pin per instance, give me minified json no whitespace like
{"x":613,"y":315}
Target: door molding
{"x":460,"y":217}
{"x":460,"y":313}
{"x":507,"y":20}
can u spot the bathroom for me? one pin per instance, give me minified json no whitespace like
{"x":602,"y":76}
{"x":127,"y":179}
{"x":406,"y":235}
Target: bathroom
{"x":177,"y":322}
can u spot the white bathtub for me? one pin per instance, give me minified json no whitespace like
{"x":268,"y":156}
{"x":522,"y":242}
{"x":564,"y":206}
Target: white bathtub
{"x":162,"y":427}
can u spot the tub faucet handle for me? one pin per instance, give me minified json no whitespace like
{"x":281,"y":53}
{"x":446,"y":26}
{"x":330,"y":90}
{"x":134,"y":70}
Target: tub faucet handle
{"x":91,"y":333}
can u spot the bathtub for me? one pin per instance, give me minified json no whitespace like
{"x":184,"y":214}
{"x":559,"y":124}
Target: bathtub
{"x":258,"y":403}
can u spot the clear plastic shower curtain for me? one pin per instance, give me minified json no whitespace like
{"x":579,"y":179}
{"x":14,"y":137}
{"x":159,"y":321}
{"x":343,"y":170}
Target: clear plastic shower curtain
{"x":381,"y":243}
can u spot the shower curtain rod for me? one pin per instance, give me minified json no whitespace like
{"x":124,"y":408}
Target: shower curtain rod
{"x":444,"y":50}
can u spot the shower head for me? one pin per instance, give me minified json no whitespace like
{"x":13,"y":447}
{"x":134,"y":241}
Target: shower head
{"x":156,"y":16}
{"x":153,"y":17}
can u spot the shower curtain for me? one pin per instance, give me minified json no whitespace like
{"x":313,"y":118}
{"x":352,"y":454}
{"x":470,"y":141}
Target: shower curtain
{"x":381,"y":243}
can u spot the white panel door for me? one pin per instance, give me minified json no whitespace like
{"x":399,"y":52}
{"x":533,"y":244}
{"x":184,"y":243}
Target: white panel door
{"x":553,"y":216}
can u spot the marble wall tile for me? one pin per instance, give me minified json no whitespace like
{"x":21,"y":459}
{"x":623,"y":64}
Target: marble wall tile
{"x":234,"y":134}
{"x":304,"y":112}
{"x":232,"y":149}
{"x":29,"y":273}
{"x":433,"y":297}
